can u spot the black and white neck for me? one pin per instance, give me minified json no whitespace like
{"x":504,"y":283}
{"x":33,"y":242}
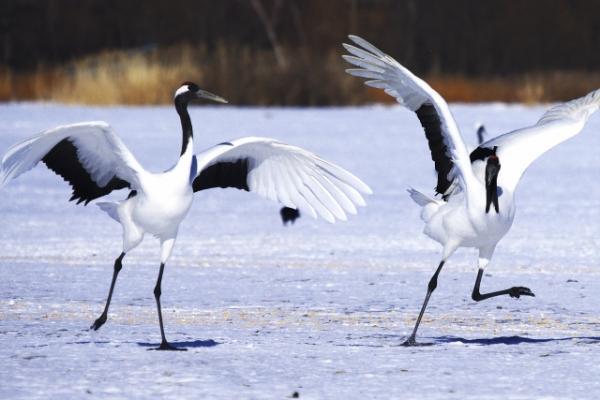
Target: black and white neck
{"x":186,"y":92}
{"x":183,"y":95}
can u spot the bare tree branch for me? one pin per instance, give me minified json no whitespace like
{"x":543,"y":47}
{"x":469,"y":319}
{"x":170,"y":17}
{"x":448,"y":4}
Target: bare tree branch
{"x":269,"y":26}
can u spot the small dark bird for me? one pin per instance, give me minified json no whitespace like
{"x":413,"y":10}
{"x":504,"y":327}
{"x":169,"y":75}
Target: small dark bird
{"x":289,"y":215}
{"x":481,"y":133}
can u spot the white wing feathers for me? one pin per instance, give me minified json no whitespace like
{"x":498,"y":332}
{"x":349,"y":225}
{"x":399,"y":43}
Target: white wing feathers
{"x":518,"y":149}
{"x":578,"y":110}
{"x":410,"y":91}
{"x":293,"y":176}
{"x":99,"y":150}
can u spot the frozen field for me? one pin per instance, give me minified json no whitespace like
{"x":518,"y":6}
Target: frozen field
{"x":315,"y":309}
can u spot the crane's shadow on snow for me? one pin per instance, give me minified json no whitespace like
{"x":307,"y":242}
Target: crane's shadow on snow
{"x":184,"y":344}
{"x":376,"y":340}
{"x":512,"y":340}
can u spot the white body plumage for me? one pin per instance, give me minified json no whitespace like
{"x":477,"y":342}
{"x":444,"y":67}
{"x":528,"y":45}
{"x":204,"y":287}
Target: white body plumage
{"x":92,"y":158}
{"x":462,"y":218}
{"x":477,"y":206}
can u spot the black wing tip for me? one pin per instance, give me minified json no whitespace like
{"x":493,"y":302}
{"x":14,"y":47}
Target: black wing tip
{"x":431,"y":123}
{"x":224,"y":174}
{"x":63,"y":160}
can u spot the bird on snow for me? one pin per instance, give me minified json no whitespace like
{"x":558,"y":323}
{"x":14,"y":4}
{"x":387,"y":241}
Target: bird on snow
{"x":481,"y":133}
{"x":289,"y":214}
{"x":477,"y":206}
{"x":95,"y":162}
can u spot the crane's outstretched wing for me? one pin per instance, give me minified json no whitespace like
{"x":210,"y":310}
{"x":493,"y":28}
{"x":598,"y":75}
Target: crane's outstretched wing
{"x":447,"y":147}
{"x":518,"y":149}
{"x":277,"y":171}
{"x":88,"y":155}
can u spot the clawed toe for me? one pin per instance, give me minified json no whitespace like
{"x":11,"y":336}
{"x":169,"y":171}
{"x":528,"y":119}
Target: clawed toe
{"x":519,"y":291}
{"x":98,"y":323}
{"x":167,"y":346}
{"x":414,"y":343}
{"x":411,"y":341}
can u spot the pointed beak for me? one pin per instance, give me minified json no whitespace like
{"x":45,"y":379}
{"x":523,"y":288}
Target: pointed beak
{"x":491,"y":186}
{"x":203,"y":94}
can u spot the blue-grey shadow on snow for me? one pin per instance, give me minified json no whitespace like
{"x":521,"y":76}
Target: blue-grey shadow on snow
{"x":185,"y":344}
{"x":90,"y":342}
{"x":512,"y":340}
{"x":375,"y":340}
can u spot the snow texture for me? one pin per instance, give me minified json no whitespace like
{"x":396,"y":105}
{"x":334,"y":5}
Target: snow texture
{"x":316,"y":309}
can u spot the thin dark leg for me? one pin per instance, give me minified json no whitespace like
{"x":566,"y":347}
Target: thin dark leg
{"x":164,"y":345}
{"x":411,"y":341}
{"x":516,"y":291}
{"x":102,"y":319}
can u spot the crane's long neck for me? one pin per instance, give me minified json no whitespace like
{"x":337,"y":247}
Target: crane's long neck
{"x":187,"y":134}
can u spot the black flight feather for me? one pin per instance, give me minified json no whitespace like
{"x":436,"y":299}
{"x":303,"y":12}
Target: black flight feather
{"x":430,"y":121}
{"x":63,"y":160}
{"x":224,"y":174}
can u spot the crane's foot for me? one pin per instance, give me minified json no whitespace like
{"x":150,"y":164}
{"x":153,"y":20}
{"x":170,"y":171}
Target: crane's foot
{"x":166,"y":346}
{"x":99,"y":322}
{"x":412,"y":342}
{"x":519,"y":291}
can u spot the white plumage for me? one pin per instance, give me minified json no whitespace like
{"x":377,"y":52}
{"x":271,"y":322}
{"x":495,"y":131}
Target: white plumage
{"x":523,"y":146}
{"x":292,"y":176}
{"x":92,"y":158}
{"x":99,"y":150}
{"x":477,"y":206}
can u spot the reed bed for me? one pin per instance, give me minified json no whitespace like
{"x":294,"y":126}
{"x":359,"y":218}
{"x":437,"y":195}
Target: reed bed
{"x":255,"y":77}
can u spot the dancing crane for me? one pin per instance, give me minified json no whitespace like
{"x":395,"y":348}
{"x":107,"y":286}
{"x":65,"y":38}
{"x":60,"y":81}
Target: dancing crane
{"x":477,"y":207}
{"x":95,"y":162}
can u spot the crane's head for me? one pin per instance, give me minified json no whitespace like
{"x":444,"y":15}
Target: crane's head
{"x":492,"y":168}
{"x":190,"y":91}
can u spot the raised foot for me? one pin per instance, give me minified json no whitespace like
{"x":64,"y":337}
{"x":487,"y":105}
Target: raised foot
{"x":167,"y":346}
{"x":99,"y":322}
{"x":519,"y":291}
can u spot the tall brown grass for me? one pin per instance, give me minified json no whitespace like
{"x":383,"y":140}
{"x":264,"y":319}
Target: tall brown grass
{"x":254,"y":77}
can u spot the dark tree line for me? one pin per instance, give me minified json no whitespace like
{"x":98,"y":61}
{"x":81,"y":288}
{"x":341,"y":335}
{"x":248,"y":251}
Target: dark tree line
{"x":447,"y":36}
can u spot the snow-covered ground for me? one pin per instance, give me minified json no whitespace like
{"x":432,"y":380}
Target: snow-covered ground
{"x":315,"y":309}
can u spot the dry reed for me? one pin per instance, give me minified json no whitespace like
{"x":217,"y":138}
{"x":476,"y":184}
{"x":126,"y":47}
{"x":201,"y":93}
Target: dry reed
{"x":253,"y":77}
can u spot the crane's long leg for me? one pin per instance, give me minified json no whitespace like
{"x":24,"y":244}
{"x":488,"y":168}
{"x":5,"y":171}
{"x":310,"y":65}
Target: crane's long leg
{"x":411,"y":341}
{"x":485,"y":255}
{"x":515,"y":291}
{"x":102,"y":319}
{"x":164,"y":345}
{"x":167,"y":247}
